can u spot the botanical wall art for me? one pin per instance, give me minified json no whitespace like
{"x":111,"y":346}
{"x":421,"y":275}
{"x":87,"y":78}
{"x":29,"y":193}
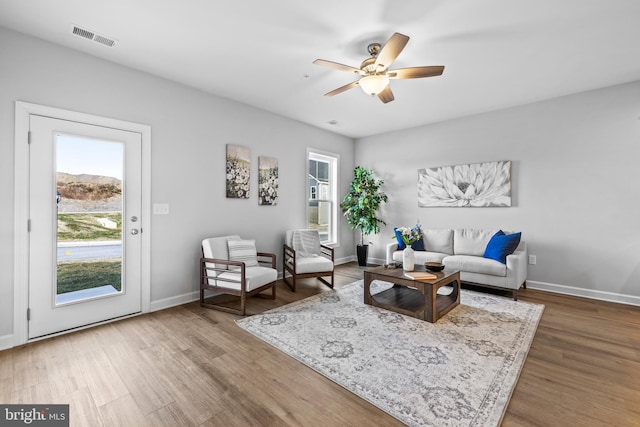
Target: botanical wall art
{"x":477,"y":184}
{"x":238,"y":171}
{"x":267,"y":180}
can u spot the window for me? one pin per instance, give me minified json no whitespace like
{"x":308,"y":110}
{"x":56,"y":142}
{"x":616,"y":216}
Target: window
{"x":322,"y":204}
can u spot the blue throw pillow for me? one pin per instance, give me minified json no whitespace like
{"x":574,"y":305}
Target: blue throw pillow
{"x":418,"y":246}
{"x":502,"y":245}
{"x":401,"y":244}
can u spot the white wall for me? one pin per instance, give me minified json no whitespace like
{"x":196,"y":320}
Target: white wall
{"x":575,"y":184}
{"x":190,"y":130}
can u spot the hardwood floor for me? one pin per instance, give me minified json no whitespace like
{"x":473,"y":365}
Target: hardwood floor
{"x":190,"y":366}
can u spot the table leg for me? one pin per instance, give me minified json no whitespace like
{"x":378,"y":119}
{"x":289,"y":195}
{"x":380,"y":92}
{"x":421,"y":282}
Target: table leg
{"x":367,"y":288}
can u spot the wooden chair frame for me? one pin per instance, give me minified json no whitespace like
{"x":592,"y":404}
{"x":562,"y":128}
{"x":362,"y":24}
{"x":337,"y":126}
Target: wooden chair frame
{"x":264,"y":259}
{"x":289,"y":265}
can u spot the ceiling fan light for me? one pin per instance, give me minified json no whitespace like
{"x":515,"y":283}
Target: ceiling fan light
{"x":374,"y":84}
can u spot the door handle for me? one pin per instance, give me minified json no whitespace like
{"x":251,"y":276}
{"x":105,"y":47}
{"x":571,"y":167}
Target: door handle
{"x":134,"y":231}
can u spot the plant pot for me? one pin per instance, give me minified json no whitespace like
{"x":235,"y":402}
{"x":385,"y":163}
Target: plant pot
{"x":362,"y":251}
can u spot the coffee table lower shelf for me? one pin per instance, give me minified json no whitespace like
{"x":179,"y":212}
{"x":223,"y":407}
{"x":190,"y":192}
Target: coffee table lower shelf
{"x":419,"y":299}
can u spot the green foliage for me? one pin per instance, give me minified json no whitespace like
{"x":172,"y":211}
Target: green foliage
{"x":75,"y":276}
{"x":361,"y":205}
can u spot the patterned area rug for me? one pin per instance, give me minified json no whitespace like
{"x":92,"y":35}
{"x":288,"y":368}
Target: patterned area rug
{"x":459,"y":371}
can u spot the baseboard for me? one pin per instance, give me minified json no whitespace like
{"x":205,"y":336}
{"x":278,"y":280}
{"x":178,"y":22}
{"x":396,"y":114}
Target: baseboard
{"x":195,"y":296}
{"x":6,"y":342}
{"x":585,"y":293}
{"x":344,"y":260}
{"x":173,"y":301}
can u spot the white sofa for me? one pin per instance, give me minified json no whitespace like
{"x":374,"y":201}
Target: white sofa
{"x":463,"y":249}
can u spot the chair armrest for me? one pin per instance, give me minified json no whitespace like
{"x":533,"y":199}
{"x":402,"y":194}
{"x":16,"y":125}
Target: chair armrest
{"x":391,"y":248}
{"x":205,"y":276}
{"x":288,"y":257}
{"x":271,"y":259}
{"x":327,"y":251}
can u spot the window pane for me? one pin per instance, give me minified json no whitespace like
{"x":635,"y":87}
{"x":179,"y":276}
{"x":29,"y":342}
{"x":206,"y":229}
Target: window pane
{"x":321,"y":205}
{"x":89,"y":225}
{"x":320,"y":218}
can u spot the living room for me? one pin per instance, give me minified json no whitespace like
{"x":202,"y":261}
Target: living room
{"x":574,"y":178}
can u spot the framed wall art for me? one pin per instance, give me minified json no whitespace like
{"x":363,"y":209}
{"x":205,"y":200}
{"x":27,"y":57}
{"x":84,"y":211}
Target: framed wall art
{"x":471,"y":185}
{"x":267,"y":180}
{"x":238,"y":171}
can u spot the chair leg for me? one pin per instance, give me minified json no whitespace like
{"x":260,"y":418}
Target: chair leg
{"x":243,"y":303}
{"x":515,"y":295}
{"x":286,"y":282}
{"x":323,"y":280}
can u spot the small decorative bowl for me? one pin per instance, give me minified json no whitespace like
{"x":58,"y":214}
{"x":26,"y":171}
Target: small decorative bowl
{"x":434,"y":266}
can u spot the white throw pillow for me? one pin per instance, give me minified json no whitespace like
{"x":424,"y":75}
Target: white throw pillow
{"x":243,"y":251}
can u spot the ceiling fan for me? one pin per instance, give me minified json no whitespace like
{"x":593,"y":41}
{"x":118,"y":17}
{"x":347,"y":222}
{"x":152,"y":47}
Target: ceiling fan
{"x":375,"y":70}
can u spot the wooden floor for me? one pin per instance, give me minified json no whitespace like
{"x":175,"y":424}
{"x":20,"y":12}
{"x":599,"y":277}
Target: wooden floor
{"x":189,"y":366}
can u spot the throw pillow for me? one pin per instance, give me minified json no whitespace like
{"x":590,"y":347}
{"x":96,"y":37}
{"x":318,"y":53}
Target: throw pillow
{"x":502,"y":245}
{"x":243,"y":251}
{"x":419,"y":245}
{"x":401,"y":244}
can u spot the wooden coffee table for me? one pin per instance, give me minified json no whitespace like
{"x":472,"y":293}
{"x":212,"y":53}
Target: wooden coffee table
{"x":416,"y":298}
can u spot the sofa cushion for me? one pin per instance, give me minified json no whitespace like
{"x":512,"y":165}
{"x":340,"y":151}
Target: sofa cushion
{"x":436,"y":240}
{"x":475,"y":264}
{"x":422,"y":256}
{"x":502,"y":245}
{"x":313,"y":265}
{"x":471,"y":242}
{"x":217,"y":247}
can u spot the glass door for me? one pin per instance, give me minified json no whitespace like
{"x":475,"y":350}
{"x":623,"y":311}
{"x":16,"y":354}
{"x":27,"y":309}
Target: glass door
{"x":85,"y":200}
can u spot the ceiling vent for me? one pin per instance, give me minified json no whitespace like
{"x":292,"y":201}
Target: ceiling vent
{"x":92,"y":35}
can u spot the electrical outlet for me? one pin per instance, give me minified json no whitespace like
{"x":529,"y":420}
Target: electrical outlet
{"x":532,"y":259}
{"x":160,"y":209}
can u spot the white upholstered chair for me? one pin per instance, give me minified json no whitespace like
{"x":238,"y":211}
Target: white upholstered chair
{"x":304,"y":256}
{"x":231,"y":265}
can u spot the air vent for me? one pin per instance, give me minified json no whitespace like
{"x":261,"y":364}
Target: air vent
{"x":92,"y":35}
{"x":83,"y":33}
{"x":104,"y":40}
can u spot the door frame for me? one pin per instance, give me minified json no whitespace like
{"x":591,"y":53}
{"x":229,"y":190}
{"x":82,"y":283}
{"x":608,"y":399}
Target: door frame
{"x":21,"y":205}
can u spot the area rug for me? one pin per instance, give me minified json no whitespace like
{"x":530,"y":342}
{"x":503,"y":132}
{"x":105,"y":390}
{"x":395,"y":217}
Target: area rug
{"x":459,"y":371}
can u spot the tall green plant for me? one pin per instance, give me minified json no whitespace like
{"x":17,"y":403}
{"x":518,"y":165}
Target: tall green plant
{"x":361,"y":205}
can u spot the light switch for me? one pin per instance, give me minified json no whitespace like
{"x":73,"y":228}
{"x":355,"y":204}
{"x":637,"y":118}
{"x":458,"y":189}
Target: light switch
{"x":160,"y":209}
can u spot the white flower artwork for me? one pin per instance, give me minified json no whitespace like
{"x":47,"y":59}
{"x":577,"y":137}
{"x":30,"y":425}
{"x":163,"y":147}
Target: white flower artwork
{"x":267,"y":180}
{"x":472,"y":185}
{"x":238,"y":171}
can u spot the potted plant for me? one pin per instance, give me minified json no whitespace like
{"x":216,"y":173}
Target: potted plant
{"x":361,"y":205}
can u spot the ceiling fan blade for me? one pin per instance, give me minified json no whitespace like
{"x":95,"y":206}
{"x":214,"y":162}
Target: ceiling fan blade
{"x":386,"y":95}
{"x":342,"y":89}
{"x":390,"y":51}
{"x":416,"y":72}
{"x":337,"y":66}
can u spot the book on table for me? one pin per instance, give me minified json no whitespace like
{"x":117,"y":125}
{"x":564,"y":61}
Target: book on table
{"x":419,"y":275}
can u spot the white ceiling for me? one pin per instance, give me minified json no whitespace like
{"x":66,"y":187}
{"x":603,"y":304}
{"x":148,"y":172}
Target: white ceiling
{"x":497,"y":53}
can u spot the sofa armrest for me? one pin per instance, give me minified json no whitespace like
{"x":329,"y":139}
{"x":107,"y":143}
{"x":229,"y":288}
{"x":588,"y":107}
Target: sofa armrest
{"x":517,"y":266}
{"x":391,"y":248}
